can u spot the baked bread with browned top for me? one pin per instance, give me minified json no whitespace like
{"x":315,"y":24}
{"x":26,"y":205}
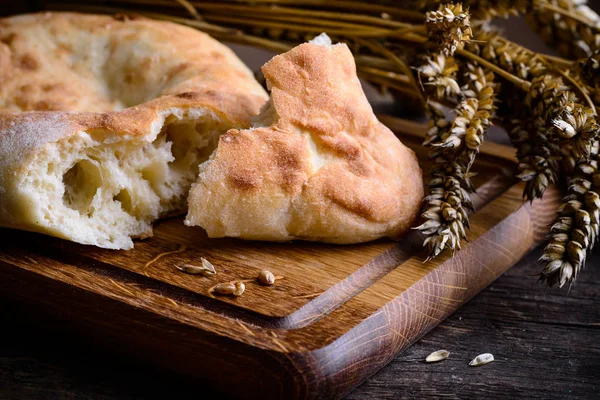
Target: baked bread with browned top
{"x":317,"y":165}
{"x":104,"y":121}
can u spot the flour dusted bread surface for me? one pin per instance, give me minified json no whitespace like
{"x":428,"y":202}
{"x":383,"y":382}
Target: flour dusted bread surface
{"x":104,"y":121}
{"x":317,"y":165}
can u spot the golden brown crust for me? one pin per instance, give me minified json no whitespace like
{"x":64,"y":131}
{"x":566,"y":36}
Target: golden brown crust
{"x":326,"y":169}
{"x":80,"y":63}
{"x":95,"y":63}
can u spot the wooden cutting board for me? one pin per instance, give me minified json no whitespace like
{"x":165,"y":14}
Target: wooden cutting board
{"x":337,"y":315}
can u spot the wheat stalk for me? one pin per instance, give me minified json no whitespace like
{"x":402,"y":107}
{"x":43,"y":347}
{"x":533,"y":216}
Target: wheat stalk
{"x":576,"y":229}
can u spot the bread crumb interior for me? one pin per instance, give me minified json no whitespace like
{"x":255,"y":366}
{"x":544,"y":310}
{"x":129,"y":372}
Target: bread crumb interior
{"x":105,"y":187}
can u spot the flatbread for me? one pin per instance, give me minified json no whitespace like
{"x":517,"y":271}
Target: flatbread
{"x":317,"y":165}
{"x":104,"y":121}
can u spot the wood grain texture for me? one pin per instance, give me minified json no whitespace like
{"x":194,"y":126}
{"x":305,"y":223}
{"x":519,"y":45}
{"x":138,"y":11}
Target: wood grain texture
{"x":546,"y":343}
{"x":338,"y":315}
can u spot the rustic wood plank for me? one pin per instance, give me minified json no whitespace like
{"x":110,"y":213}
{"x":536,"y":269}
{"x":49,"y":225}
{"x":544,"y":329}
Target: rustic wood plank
{"x":546,"y":343}
{"x":238,"y":259}
{"x":508,"y":318}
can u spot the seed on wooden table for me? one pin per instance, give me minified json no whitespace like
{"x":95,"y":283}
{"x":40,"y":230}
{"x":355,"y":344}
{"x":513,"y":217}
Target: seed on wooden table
{"x":266,"y":278}
{"x":208,"y":265}
{"x":239,"y":288}
{"x":482,"y":359}
{"x":226,"y":288}
{"x":437,"y":356}
{"x":205,"y":269}
{"x":194,"y":270}
{"x":235,"y":288}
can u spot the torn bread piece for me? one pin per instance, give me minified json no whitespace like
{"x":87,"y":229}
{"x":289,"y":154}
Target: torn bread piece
{"x":317,"y":165}
{"x":105,"y":176}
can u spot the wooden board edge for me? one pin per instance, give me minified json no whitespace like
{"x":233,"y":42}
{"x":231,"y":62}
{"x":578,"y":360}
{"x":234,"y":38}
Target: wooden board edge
{"x":330,"y":371}
{"x":334,"y":370}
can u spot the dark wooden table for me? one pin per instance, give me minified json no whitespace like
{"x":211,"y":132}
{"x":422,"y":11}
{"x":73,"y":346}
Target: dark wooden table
{"x":546,"y":343}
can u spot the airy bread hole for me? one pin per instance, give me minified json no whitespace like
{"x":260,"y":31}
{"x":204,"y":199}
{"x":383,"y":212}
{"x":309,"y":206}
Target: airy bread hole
{"x":105,"y":188}
{"x":190,"y":145}
{"x":81,"y":181}
{"x":183,"y":144}
{"x":124,"y":197}
{"x":180,"y":147}
{"x":155,"y":174}
{"x":210,"y":142}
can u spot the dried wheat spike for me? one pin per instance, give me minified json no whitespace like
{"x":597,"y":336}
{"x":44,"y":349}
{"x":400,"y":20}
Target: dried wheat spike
{"x":439,"y":71}
{"x":538,"y":163}
{"x":481,"y":87}
{"x":448,"y":28}
{"x":445,"y":207}
{"x":570,"y":36}
{"x":538,"y":157}
{"x":576,"y":228}
{"x":444,"y":213}
{"x":540,"y":167}
{"x":513,"y":58}
{"x":438,"y":125}
{"x":534,"y":130}
{"x":547,"y":95}
{"x":590,"y":70}
{"x":579,"y":128}
{"x":572,"y":126}
{"x":587,"y":75}
{"x":484,"y":9}
{"x":447,"y":202}
{"x":473,"y":114}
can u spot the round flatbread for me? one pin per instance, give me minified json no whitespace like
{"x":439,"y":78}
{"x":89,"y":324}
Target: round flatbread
{"x":104,"y":121}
